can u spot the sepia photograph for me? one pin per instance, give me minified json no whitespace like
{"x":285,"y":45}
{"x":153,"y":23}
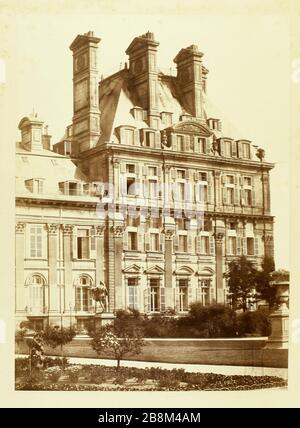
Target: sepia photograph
{"x":152,"y":204}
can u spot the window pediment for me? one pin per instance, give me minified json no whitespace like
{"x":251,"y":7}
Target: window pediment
{"x":192,"y":127}
{"x":132,"y":269}
{"x":154,"y":270}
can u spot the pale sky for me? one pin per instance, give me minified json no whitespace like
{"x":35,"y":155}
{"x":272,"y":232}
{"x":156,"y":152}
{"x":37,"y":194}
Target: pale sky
{"x":248,"y":81}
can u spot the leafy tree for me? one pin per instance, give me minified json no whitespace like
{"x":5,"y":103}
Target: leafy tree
{"x":264,"y":289}
{"x":241,"y":280}
{"x":119,"y":338}
{"x":58,"y":336}
{"x":35,"y":347}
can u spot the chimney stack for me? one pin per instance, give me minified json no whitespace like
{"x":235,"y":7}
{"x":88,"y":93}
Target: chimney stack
{"x":190,"y":79}
{"x":144,"y":76}
{"x":86,"y":116}
{"x":31,"y":130}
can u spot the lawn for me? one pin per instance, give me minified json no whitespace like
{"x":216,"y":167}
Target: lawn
{"x":56,"y":375}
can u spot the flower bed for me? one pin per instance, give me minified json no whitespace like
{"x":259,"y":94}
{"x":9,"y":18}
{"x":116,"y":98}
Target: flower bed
{"x":102,"y":378}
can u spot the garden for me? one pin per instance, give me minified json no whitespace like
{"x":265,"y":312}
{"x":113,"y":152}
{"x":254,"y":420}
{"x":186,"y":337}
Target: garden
{"x":58,"y":375}
{"x":125,"y":336}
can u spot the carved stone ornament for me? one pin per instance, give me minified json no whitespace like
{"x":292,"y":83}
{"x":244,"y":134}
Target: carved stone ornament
{"x":20,"y":227}
{"x":117,"y":231}
{"x":68,"y":229}
{"x":99,"y":230}
{"x":219,"y":236}
{"x":52,"y":228}
{"x":168,"y":233}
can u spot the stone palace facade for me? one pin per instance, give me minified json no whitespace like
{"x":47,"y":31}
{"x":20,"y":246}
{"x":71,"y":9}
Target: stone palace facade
{"x":146,"y":192}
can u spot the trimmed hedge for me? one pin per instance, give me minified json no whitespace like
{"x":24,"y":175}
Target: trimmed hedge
{"x":215,"y":321}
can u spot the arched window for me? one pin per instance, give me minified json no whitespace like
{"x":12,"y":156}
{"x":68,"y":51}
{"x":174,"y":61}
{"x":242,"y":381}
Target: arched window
{"x":83,"y":294}
{"x":36,"y":285}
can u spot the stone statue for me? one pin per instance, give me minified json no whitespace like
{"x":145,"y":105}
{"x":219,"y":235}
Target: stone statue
{"x":100,"y":295}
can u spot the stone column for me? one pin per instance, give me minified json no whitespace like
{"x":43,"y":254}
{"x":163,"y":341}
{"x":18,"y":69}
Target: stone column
{"x":53,"y":302}
{"x":69,"y":294}
{"x":99,"y":234}
{"x":117,"y":231}
{"x":169,"y":232}
{"x":219,"y":235}
{"x":269,"y":245}
{"x":20,"y":296}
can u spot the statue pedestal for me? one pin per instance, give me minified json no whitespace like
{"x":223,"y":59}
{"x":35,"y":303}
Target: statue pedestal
{"x":103,"y":318}
{"x":279,"y":338}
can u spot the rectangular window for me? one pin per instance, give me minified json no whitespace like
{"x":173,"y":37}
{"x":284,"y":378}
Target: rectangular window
{"x":250,"y":246}
{"x":247,"y":181}
{"x":246,"y":150}
{"x":154,"y":295}
{"x":83,"y":244}
{"x":153,"y":189}
{"x":154,"y":241}
{"x":132,"y":241}
{"x":93,"y":240}
{"x":205,"y":244}
{"x":181,"y":174}
{"x":232,"y":226}
{"x":248,"y":199}
{"x":152,"y":171}
{"x":154,"y":222}
{"x":181,"y":191}
{"x":129,"y":136}
{"x":230,"y":195}
{"x":181,"y":224}
{"x":182,"y":243}
{"x":131,"y":186}
{"x":203,"y":193}
{"x":228,"y":148}
{"x":231,"y":245}
{"x":180,"y":143}
{"x":150,"y":139}
{"x":130,"y":168}
{"x":202,"y":145}
{"x":205,"y":291}
{"x":35,"y":241}
{"x":67,"y":148}
{"x":73,"y":189}
{"x":183,"y":295}
{"x":230,"y":179}
{"x":133,"y":293}
{"x":203,"y":176}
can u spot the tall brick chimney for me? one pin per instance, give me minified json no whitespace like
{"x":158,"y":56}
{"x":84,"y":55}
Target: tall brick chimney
{"x":142,"y":53}
{"x":190,"y":79}
{"x":86,"y":113}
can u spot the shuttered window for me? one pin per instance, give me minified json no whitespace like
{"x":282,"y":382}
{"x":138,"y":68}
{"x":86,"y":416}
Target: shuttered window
{"x":36,"y":241}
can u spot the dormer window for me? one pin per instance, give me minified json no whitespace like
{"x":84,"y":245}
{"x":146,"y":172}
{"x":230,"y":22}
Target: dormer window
{"x":180,"y":143}
{"x":35,"y":185}
{"x":201,"y":144}
{"x":138,"y":113}
{"x":72,"y":188}
{"x":214,"y":124}
{"x":129,"y":136}
{"x":246,"y":150}
{"x":228,"y":148}
{"x":150,"y":139}
{"x":67,"y":148}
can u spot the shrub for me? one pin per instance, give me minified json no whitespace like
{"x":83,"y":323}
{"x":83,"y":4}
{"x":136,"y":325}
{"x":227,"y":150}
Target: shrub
{"x":209,"y":321}
{"x":53,"y":373}
{"x":73,"y":373}
{"x":256,"y":323}
{"x":55,"y":361}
